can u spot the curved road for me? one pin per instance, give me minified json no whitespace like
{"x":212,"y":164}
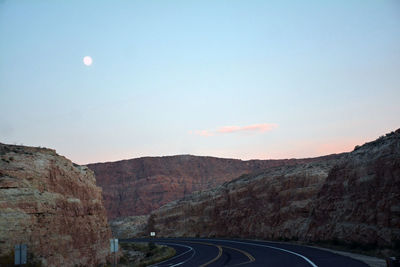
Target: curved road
{"x":225,"y":252}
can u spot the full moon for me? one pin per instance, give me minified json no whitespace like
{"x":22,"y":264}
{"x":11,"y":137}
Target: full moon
{"x":87,"y":61}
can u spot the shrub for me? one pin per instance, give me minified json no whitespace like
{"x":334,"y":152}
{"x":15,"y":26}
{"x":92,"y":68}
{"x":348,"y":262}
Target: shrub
{"x":152,"y":246}
{"x":8,"y":260}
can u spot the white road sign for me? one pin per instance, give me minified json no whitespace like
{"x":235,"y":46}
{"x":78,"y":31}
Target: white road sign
{"x":20,"y":254}
{"x":114,"y":245}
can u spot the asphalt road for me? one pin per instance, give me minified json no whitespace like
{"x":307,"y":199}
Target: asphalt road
{"x":226,"y":252}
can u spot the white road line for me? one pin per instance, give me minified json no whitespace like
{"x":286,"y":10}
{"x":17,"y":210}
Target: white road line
{"x":177,"y":256}
{"x":259,"y":245}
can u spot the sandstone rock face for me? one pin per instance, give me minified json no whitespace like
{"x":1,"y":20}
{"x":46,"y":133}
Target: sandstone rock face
{"x":360,"y":199}
{"x":128,"y":227}
{"x":53,"y":206}
{"x":354,"y":198}
{"x":139,"y":186}
{"x":272,"y":204}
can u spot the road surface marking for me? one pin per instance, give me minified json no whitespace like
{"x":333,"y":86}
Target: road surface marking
{"x":216,"y":258}
{"x":248,"y":255}
{"x":177,"y":264}
{"x":259,"y":245}
{"x":208,"y":244}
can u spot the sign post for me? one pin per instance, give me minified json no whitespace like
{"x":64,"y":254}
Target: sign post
{"x":152,"y":234}
{"x":20,"y":254}
{"x":114,"y":249}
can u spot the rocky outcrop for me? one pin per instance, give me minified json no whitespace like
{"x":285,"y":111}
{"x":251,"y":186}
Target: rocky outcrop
{"x":128,"y":227}
{"x":139,"y":186}
{"x":273,"y":204}
{"x":360,"y":199}
{"x":53,"y":206}
{"x":354,"y":198}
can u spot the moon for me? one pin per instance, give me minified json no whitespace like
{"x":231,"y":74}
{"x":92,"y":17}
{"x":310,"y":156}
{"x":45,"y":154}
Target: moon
{"x":87,"y":60}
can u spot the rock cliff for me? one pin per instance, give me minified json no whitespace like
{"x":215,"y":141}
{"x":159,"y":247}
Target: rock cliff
{"x":127,"y":227}
{"x":354,"y":198}
{"x":139,"y":186}
{"x":53,"y":206}
{"x":360,"y":199}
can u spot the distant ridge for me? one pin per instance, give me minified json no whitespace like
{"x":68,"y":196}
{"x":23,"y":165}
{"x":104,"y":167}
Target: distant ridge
{"x":352,"y":201}
{"x":141,"y":185}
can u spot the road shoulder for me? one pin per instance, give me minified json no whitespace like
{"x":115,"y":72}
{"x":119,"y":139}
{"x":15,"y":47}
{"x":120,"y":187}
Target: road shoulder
{"x":370,"y":261}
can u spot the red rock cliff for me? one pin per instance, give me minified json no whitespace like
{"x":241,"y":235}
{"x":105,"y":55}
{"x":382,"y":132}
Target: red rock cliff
{"x":53,"y":206}
{"x":360,"y":199}
{"x":355,"y":198}
{"x":139,"y":186}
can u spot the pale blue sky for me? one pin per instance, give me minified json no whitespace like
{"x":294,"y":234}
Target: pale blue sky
{"x":325,"y":73}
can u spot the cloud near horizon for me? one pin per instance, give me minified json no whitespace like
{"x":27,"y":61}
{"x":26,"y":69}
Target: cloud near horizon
{"x":262,"y":127}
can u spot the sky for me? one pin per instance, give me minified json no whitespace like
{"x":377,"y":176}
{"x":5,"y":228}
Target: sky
{"x":250,"y":79}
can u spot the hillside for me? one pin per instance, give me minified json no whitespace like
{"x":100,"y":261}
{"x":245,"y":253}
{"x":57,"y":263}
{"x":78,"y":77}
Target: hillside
{"x":53,"y":206}
{"x":354,"y":199}
{"x":139,"y":186}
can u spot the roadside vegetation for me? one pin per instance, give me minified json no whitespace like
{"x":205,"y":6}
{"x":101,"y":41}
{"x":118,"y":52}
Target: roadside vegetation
{"x":7,"y":260}
{"x":143,"y":254}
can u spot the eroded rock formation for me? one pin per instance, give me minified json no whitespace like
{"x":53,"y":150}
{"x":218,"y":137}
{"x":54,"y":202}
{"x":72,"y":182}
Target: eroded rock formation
{"x":355,"y":198}
{"x":275,"y":203}
{"x":139,"y":186}
{"x":53,"y":206}
{"x":127,"y":227}
{"x":360,"y":199}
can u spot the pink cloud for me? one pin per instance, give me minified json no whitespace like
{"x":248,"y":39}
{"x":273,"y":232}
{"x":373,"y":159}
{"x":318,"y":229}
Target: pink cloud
{"x":228,"y":129}
{"x":262,"y":127}
{"x":204,"y":133}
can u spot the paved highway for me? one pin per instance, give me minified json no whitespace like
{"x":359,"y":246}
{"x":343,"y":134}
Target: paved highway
{"x":226,"y":252}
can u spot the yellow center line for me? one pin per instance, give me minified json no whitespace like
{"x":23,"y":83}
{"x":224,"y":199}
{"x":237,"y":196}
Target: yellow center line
{"x":248,"y":255}
{"x":209,"y":244}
